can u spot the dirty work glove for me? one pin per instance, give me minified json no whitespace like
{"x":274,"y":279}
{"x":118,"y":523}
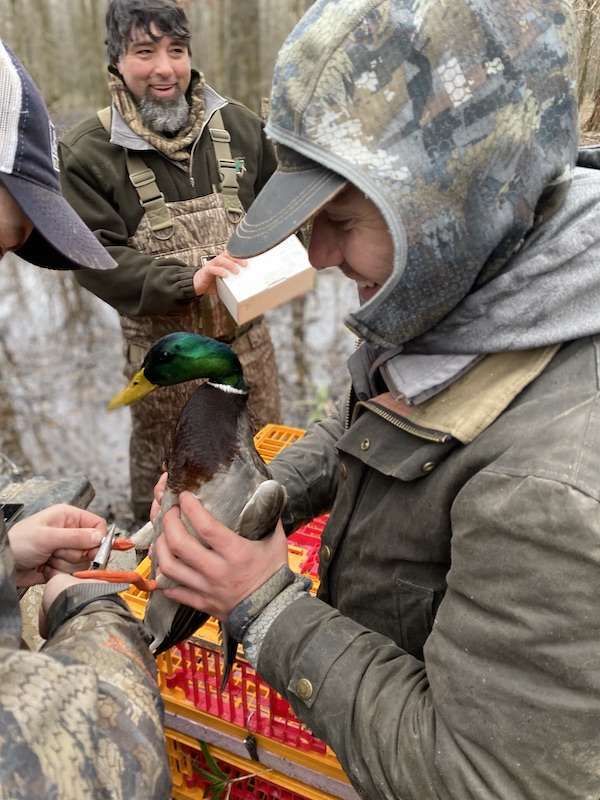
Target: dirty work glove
{"x":251,"y":619}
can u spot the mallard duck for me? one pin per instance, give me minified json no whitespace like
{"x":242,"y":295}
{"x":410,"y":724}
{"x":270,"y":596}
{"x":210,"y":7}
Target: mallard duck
{"x":212,"y":454}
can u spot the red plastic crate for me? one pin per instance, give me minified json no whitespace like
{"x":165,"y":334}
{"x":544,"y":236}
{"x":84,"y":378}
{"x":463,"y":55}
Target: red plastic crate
{"x":190,"y":679}
{"x":244,"y":780}
{"x":308,"y":537}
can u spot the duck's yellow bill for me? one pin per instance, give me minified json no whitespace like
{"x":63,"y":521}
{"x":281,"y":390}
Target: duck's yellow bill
{"x":139,"y":386}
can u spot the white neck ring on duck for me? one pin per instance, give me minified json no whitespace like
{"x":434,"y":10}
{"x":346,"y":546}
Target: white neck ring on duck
{"x":224,"y":388}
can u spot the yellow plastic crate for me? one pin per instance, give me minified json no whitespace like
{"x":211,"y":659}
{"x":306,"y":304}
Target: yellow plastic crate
{"x":189,"y":676}
{"x":242,"y":779}
{"x":272,"y":438}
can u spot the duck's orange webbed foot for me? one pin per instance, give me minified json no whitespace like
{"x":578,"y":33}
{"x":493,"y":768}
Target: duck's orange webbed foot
{"x":117,"y":576}
{"x":123,"y":544}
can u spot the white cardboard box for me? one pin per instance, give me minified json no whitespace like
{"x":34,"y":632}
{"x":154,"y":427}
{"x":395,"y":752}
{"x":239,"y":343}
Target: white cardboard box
{"x":270,"y":279}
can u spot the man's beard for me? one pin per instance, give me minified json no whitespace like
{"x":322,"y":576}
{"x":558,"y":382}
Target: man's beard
{"x":164,"y":116}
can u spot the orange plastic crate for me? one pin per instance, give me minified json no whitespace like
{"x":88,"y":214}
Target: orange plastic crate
{"x":245,"y":780}
{"x":272,"y":438}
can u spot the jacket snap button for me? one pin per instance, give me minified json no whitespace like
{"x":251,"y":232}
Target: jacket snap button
{"x":343,"y":471}
{"x":325,"y":552}
{"x":428,"y":466}
{"x":304,"y":689}
{"x":365,"y":444}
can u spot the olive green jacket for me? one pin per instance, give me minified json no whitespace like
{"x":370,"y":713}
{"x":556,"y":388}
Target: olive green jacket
{"x":95,"y":181}
{"x":455,"y":649}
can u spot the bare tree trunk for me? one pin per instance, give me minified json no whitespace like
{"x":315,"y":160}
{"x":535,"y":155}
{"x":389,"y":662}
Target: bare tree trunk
{"x":244,"y":71}
{"x":586,"y":38}
{"x":588,"y":14}
{"x":88,"y":84}
{"x":593,"y":121}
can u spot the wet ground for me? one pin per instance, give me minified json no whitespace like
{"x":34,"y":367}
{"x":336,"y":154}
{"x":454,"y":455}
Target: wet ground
{"x":61,"y":361}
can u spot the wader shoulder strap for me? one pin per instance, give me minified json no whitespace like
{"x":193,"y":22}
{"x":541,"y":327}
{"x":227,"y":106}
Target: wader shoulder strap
{"x":143,"y":179}
{"x":105,"y":117}
{"x":228,"y":168}
{"x":152,"y":199}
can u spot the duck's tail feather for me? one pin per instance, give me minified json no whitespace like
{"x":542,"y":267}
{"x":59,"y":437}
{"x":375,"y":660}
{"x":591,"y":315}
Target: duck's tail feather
{"x":185,"y":623}
{"x":230,"y":649}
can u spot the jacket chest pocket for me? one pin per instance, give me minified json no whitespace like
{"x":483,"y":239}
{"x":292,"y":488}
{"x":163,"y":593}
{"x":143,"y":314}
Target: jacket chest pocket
{"x":415,"y":614}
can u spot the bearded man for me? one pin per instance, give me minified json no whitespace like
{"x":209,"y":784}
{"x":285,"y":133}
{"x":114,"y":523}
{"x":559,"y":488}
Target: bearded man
{"x":162,"y":177}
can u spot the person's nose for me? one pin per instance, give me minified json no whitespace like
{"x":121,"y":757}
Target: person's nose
{"x":323,"y":248}
{"x":13,"y":236}
{"x":163,"y":65}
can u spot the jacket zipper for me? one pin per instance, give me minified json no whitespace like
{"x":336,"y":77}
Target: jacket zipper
{"x":347,"y":415}
{"x":422,"y":433}
{"x":415,"y":430}
{"x":192,"y":151}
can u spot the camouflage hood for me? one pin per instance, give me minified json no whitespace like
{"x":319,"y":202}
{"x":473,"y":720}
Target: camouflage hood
{"x":459,"y":120}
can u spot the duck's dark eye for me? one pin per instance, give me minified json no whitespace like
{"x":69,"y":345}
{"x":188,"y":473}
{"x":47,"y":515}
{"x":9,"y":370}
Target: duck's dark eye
{"x":164,"y":356}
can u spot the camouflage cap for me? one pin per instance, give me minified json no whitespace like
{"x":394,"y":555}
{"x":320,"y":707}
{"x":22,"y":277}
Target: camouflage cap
{"x":294,"y":193}
{"x":454,"y":118}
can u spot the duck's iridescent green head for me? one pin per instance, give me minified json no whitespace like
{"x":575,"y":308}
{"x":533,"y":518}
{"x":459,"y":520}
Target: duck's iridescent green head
{"x":180,"y":357}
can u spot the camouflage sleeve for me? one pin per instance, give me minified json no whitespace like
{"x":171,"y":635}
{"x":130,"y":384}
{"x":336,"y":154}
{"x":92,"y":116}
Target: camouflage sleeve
{"x":84,"y":716}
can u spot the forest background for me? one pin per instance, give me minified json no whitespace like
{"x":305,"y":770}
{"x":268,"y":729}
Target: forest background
{"x":234,"y":42}
{"x":61,"y":42}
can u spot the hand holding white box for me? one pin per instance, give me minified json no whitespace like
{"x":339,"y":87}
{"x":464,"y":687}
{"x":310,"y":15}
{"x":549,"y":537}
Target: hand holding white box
{"x":270,"y":279}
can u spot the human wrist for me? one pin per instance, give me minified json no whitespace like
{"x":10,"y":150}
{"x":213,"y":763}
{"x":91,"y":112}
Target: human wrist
{"x":251,"y":619}
{"x":75,"y":597}
{"x":246,"y":612}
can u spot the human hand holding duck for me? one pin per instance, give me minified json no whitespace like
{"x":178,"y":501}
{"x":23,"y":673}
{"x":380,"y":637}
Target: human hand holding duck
{"x":216,"y":576}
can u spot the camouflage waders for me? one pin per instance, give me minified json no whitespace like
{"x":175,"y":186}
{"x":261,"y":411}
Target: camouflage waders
{"x":203,"y":220}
